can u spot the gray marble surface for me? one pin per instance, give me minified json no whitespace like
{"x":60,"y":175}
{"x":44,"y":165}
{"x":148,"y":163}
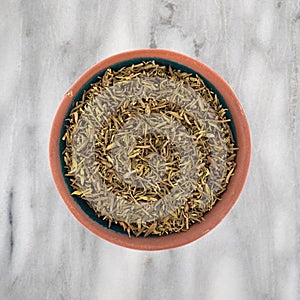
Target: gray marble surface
{"x":45,"y":253}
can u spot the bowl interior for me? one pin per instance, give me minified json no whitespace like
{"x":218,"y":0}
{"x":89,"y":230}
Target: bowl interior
{"x":81,"y":203}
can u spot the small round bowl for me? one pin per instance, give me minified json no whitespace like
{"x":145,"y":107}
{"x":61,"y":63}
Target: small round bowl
{"x":239,"y":126}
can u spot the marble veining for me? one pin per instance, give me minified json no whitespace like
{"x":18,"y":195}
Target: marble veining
{"x":254,"y":253}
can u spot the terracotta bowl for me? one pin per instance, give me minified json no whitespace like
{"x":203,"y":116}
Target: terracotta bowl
{"x":239,"y":125}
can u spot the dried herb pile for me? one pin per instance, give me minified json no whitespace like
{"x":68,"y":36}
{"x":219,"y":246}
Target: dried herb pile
{"x":149,"y":148}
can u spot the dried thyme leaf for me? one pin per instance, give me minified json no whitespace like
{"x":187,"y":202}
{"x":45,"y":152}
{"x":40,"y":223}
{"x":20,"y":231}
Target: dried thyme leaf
{"x":117,"y":174}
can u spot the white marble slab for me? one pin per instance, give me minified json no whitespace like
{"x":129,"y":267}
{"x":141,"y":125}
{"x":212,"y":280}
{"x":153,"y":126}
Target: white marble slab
{"x":46,"y":254}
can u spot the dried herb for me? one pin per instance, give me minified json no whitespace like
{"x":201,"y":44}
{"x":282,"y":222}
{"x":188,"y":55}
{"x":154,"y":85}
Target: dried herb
{"x":149,"y":148}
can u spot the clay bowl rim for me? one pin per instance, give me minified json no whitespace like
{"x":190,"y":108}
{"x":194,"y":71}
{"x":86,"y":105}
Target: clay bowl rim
{"x":220,"y":210}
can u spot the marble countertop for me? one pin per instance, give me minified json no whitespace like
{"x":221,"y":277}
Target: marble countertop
{"x":253,"y":254}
